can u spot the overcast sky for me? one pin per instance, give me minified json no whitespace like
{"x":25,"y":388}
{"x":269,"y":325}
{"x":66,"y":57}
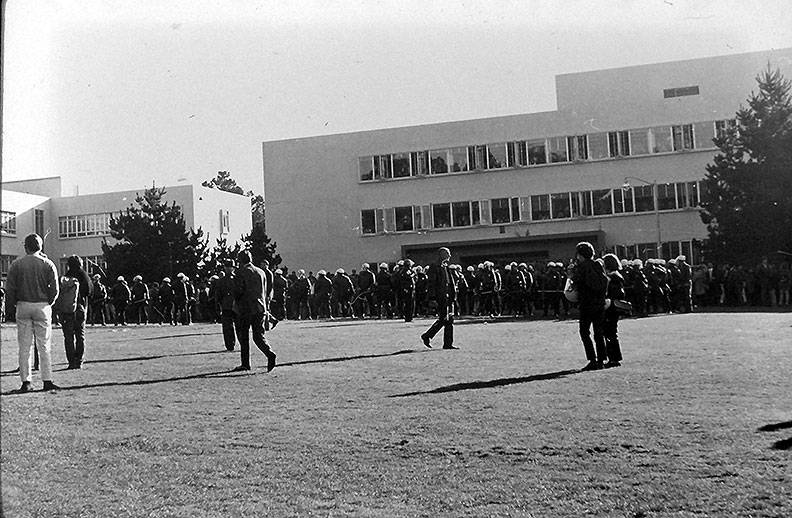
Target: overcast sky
{"x":114,"y":94}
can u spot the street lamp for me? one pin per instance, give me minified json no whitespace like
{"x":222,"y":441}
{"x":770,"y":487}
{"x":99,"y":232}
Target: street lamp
{"x":654,"y":203}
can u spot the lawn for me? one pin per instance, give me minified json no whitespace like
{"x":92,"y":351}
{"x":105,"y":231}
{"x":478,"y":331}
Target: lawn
{"x":359,"y":419}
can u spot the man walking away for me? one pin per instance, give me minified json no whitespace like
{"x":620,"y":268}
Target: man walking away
{"x":591,"y":283}
{"x":32,"y":286}
{"x":442,"y":291}
{"x":251,"y":290}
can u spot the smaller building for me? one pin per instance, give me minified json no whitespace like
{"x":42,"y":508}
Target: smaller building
{"x":77,"y":225}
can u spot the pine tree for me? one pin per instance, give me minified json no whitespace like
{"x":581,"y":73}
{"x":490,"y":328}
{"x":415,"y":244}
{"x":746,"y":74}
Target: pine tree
{"x":748,"y":211}
{"x":153,"y":240}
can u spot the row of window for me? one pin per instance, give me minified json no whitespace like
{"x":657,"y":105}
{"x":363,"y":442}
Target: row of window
{"x":527,"y":153}
{"x":668,"y":250}
{"x":84,"y":225}
{"x":8,"y":223}
{"x":539,"y":207}
{"x":90,"y":263}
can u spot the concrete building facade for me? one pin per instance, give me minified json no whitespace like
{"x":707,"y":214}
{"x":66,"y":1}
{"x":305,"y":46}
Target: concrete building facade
{"x":77,"y":225}
{"x":620,"y":164}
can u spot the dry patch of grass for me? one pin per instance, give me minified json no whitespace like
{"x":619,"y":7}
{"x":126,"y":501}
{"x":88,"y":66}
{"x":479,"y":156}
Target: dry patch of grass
{"x":360,"y":419}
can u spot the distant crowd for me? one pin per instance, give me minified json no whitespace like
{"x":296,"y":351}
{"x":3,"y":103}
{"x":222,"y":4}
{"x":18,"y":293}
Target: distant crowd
{"x":400,"y":291}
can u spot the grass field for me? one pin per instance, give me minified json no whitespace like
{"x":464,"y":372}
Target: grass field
{"x":359,"y":419}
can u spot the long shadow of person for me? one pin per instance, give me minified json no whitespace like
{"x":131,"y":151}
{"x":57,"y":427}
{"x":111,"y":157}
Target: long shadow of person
{"x":783,"y":444}
{"x":500,"y":382}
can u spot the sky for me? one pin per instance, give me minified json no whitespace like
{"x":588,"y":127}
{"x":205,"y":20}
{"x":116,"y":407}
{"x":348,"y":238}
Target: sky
{"x":112,"y":94}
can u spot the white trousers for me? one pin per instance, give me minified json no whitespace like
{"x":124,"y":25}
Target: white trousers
{"x":34,"y":320}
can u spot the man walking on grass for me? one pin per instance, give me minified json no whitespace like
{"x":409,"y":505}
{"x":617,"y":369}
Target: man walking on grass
{"x":251,"y":298}
{"x":442,"y":292}
{"x":33,"y":287}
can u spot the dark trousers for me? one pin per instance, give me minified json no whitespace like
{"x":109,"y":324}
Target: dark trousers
{"x":278,"y":308}
{"x":97,"y":312}
{"x":166,"y":312}
{"x":254,"y":324}
{"x":445,"y":320}
{"x":408,"y":305}
{"x":611,"y":332}
{"x":120,"y":313}
{"x":140,"y":308}
{"x":595,"y":319}
{"x":73,"y":325}
{"x":227,"y":318}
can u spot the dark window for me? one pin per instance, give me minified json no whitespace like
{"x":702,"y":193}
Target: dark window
{"x":474,"y":208}
{"x":518,"y":153}
{"x":682,"y":137}
{"x":619,"y":143}
{"x":560,"y":205}
{"x":558,"y":149}
{"x":419,"y":161}
{"x":458,"y":160}
{"x":401,"y":165}
{"x":382,"y":167}
{"x":578,"y":147}
{"x":622,"y":200}
{"x":441,"y":215}
{"x":666,"y":197}
{"x":680,"y":91}
{"x":537,"y":152}
{"x":581,"y":204}
{"x":38,"y":220}
{"x":540,"y":207}
{"x":500,"y":211}
{"x":460,"y":212}
{"x":439,"y":160}
{"x":367,"y":219}
{"x":404,"y":219}
{"x":366,"y":168}
{"x":515,"y":209}
{"x":497,"y":156}
{"x":602,"y":202}
{"x":644,"y":199}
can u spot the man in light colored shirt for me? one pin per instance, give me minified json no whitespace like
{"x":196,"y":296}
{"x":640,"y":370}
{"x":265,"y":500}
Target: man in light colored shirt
{"x":32,"y":286}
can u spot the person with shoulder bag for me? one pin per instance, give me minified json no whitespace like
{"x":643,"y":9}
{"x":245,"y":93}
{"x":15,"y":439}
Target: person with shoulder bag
{"x":615,"y":305}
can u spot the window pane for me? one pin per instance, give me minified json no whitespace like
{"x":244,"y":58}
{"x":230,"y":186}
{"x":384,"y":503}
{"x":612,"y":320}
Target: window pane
{"x":367,"y":221}
{"x":692,"y":194}
{"x":521,"y":153}
{"x":558,"y":149}
{"x":684,"y":249}
{"x":613,"y":144}
{"x":681,"y":193}
{"x":537,"y":152}
{"x":474,"y":208}
{"x":417,"y":220}
{"x":366,"y":168}
{"x":540,"y":207}
{"x":581,"y":204}
{"x":441,"y":215}
{"x":578,"y":147}
{"x":560,"y":204}
{"x":497,"y":156}
{"x":598,"y":146}
{"x":515,"y":209}
{"x":401,"y":165}
{"x":404,"y":219}
{"x":500,"y":210}
{"x":644,"y":200}
{"x":666,"y":199}
{"x":461,"y":213}
{"x":704,"y":132}
{"x":682,"y":137}
{"x":439,"y":159}
{"x":639,"y":140}
{"x":661,"y":139}
{"x":602,"y":202}
{"x":419,"y":161}
{"x":457,"y":160}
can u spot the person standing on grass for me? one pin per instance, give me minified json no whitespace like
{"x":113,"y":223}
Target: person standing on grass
{"x":120,"y":295}
{"x":611,"y":323}
{"x":251,"y":293}
{"x":225,"y":292}
{"x":591,"y":283}
{"x":97,"y":301}
{"x":32,"y":286}
{"x":73,"y":324}
{"x":140,"y":300}
{"x":441,"y":291}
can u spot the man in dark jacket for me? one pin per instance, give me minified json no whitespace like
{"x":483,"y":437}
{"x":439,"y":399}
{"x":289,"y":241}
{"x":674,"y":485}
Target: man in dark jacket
{"x":140,"y":300}
{"x":442,"y":292}
{"x":120,"y":296}
{"x":591,"y":283}
{"x":225,"y":293}
{"x":251,"y":300}
{"x":407,"y":290}
{"x":323,"y":292}
{"x":366,"y":284}
{"x":73,"y":324}
{"x":165,"y":295}
{"x":97,"y":301}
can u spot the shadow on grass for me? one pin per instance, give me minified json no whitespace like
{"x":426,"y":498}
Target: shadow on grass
{"x":500,"y":382}
{"x":775,"y":426}
{"x":783,"y":444}
{"x":166,"y":337}
{"x":220,"y":374}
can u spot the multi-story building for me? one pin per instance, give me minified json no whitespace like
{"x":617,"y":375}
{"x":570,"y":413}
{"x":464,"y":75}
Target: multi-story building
{"x":619,"y":163}
{"x":77,"y":225}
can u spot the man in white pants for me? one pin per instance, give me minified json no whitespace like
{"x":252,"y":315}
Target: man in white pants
{"x":33,"y":287}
